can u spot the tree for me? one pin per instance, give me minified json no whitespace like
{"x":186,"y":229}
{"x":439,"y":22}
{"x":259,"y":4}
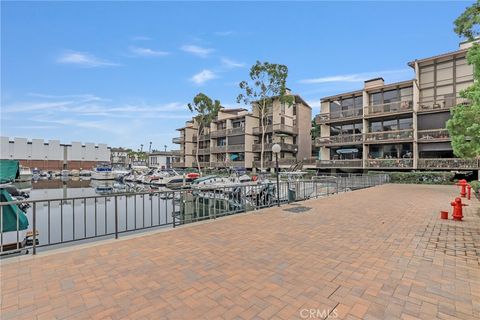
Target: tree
{"x":267,"y":83}
{"x":464,"y":125}
{"x":315,"y":131}
{"x":206,"y":110}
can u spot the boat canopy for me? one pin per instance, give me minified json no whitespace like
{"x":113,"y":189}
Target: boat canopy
{"x":10,"y":213}
{"x":9,"y":170}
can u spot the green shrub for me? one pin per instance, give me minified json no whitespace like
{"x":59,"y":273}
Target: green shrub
{"x":475,"y":185}
{"x":421,"y":177}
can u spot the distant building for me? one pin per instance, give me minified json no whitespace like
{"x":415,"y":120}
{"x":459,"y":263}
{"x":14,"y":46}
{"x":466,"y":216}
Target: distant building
{"x":163,"y":159}
{"x":53,"y":155}
{"x":119,"y":157}
{"x":234,"y":137}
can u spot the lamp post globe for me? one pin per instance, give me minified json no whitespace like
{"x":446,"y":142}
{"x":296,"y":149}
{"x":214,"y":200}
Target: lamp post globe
{"x":276,"y":148}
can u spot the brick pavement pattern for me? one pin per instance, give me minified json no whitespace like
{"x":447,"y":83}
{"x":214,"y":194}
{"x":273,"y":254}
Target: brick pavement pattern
{"x":379,"y":253}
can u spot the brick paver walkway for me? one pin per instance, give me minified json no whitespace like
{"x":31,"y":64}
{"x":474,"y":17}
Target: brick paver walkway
{"x":380,"y":253}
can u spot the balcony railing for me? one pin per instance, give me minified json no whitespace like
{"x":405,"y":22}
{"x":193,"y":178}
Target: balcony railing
{"x":387,"y":136}
{"x":440,"y":104}
{"x":351,"y":163}
{"x":280,"y":127}
{"x":389,"y":163}
{"x":203,"y":137}
{"x":235,"y":147}
{"x":218,"y":149}
{"x":257,"y":147}
{"x":450,"y":163}
{"x":341,"y":139}
{"x":258,"y":130}
{"x":389,"y":108}
{"x":236,"y":131}
{"x":218,"y":133}
{"x":202,"y":151}
{"x":433,"y":135}
{"x":178,"y":140}
{"x":338,"y":116}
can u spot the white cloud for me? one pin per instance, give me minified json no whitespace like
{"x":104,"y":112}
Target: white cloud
{"x":232,"y":64}
{"x":146,"y":52}
{"x":356,"y":77}
{"x":83,"y":59}
{"x":197,"y":50}
{"x":203,"y":76}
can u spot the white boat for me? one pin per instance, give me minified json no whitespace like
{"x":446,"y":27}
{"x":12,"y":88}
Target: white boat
{"x":75,"y":173}
{"x":25,"y":174}
{"x":85,"y":173}
{"x":65,"y":173}
{"x":103,"y":172}
{"x":166,"y":176}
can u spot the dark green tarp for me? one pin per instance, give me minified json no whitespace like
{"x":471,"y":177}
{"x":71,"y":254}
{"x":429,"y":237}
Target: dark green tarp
{"x":9,"y":170}
{"x":10,"y":213}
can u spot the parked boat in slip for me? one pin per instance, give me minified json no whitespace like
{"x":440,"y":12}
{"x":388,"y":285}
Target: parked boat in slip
{"x":103,"y":172}
{"x":25,"y":174}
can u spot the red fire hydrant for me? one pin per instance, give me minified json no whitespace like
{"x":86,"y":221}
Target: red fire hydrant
{"x":458,"y":209}
{"x":463,"y":184}
{"x":469,"y":191}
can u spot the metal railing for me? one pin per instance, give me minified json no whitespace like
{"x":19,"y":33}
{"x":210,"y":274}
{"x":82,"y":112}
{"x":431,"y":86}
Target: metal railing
{"x":389,"y":108}
{"x":340,"y":139}
{"x":178,"y":140}
{"x":257,"y":147}
{"x":386,"y":136}
{"x":448,"y":163}
{"x":389,"y":163}
{"x":55,"y":222}
{"x":349,"y":114}
{"x":350,"y":163}
{"x":440,"y":104}
{"x":434,"y":134}
{"x":218,"y":133}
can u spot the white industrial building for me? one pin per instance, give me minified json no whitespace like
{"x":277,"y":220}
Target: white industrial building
{"x":53,"y":155}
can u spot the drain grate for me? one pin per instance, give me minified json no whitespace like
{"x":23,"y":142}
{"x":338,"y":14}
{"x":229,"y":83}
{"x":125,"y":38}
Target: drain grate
{"x":298,"y":209}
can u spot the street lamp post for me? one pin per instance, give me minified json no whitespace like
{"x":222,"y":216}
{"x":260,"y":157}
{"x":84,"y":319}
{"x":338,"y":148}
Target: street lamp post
{"x":276,"y":148}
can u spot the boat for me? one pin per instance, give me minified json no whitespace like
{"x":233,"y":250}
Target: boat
{"x":64,"y":173}
{"x":15,"y":233}
{"x":171,"y":176}
{"x":75,"y":173}
{"x":25,"y":174}
{"x":103,"y":172}
{"x":85,"y":173}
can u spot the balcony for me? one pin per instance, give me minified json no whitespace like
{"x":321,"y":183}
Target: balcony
{"x":385,"y":109}
{"x":218,"y":149}
{"x":202,"y":151}
{"x":390,"y":163}
{"x":450,"y":163}
{"x":405,"y":135}
{"x":276,"y":128}
{"x":218,"y":133}
{"x":178,"y":140}
{"x":227,"y":164}
{"x":339,"y":140}
{"x":236,"y":148}
{"x":236,"y":131}
{"x":434,"y":135}
{"x":339,"y":116}
{"x":203,"y":137}
{"x":440,"y":105}
{"x":350,"y":163}
{"x":257,"y":147}
{"x":177,"y":153}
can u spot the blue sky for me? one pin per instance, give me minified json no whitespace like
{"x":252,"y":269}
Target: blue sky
{"x":122,"y":72}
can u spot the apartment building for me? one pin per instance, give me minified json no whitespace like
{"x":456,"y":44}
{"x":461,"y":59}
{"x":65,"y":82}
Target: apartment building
{"x":399,"y":125}
{"x":233,"y":139}
{"x":162,"y":159}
